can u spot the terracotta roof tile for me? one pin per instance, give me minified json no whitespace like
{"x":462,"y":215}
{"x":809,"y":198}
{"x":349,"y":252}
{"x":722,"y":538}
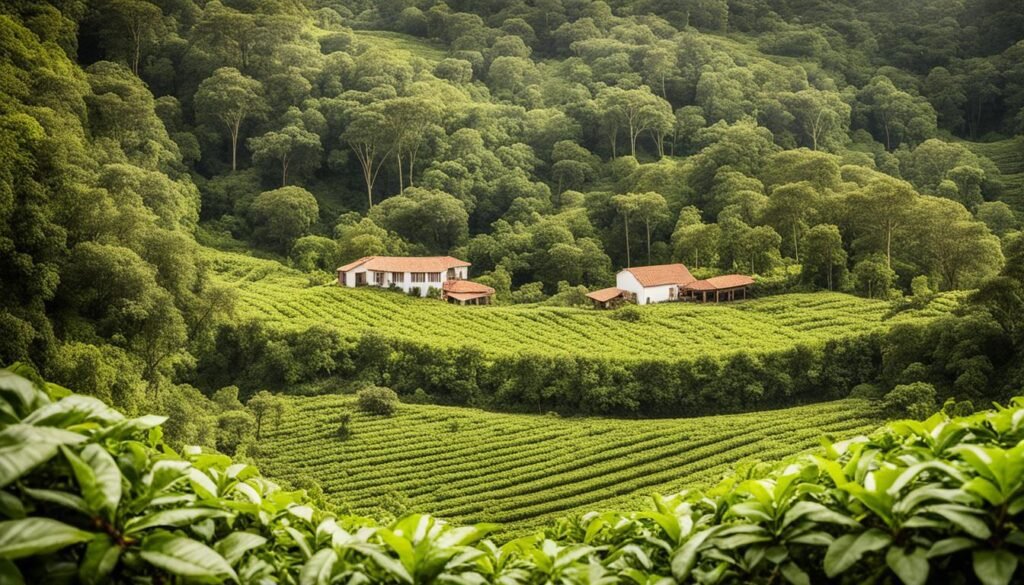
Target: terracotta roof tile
{"x":405,"y":264}
{"x":721,"y":282}
{"x":466,"y":287}
{"x":605,"y":294}
{"x":662,"y":274}
{"x":467,"y":296}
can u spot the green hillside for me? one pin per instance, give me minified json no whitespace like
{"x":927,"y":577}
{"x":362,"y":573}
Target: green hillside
{"x":525,"y":470}
{"x":283,"y":297}
{"x":1009,"y":157}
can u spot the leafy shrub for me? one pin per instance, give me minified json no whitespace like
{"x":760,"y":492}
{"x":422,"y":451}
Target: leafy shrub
{"x":377,"y":400}
{"x":868,"y":391}
{"x":915,"y":401}
{"x":344,"y":426}
{"x":629,"y":313}
{"x":420,"y":396}
{"x":90,"y":494}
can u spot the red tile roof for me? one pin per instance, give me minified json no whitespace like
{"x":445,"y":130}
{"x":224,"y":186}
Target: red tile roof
{"x":723,"y":282}
{"x":605,"y":294}
{"x":662,"y":274}
{"x":467,"y":296}
{"x":405,"y":264}
{"x":454,"y":287}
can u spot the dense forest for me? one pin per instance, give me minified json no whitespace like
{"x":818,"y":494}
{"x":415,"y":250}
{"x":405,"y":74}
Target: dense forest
{"x":819,"y":145}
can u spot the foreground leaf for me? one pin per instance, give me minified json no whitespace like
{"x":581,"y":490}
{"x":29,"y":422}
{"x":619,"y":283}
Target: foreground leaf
{"x":35,"y":536}
{"x":185,"y":557}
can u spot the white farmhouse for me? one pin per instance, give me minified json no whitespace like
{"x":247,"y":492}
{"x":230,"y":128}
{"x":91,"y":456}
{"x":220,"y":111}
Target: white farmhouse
{"x":669,"y":282}
{"x":406,"y":273}
{"x":654,"y":284}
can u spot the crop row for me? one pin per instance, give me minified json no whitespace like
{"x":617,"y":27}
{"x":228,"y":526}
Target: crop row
{"x":466,"y":465}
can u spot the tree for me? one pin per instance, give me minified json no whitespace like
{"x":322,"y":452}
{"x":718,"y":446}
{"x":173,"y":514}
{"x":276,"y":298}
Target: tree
{"x":292,"y":146}
{"x":873,"y":278}
{"x":789,"y":208}
{"x":282,"y":215}
{"x":266,"y":408}
{"x":950,"y":242}
{"x":998,"y":216}
{"x":894,"y":115}
{"x":824,"y":256}
{"x":358,"y":237}
{"x":760,"y":246}
{"x":652,"y":209}
{"x":133,"y":24}
{"x":697,"y":243}
{"x":635,"y":110}
{"x":408,"y":122}
{"x":433,"y":219}
{"x":316,"y":253}
{"x":880,"y":208}
{"x":821,"y":118}
{"x":377,"y":400}
{"x":370,"y":143}
{"x":626,"y":204}
{"x":230,"y":97}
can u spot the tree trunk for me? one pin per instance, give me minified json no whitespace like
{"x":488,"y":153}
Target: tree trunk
{"x":401,"y":180}
{"x":796,"y":246}
{"x":647,"y":224}
{"x":626,"y":222}
{"x":234,"y":143}
{"x":284,"y":171}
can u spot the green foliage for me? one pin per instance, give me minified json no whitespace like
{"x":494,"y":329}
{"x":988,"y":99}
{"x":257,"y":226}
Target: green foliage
{"x":916,"y":401}
{"x":283,"y":215}
{"x":130,"y":507}
{"x":377,"y":400}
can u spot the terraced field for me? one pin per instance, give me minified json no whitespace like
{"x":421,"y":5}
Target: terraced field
{"x":275,"y":294}
{"x":1009,"y":157}
{"x":524,"y":470}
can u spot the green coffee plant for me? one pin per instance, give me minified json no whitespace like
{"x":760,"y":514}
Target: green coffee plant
{"x":90,"y":496}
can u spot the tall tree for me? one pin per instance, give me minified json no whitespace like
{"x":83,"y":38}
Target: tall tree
{"x":230,"y":97}
{"x":789,"y":209}
{"x":880,"y":208}
{"x":291,"y":143}
{"x":369,"y":141}
{"x":132,"y":24}
{"x":824,"y":253}
{"x":626,"y":205}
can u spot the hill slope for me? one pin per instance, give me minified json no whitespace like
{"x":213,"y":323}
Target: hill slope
{"x":671,"y":331}
{"x":523,"y":470}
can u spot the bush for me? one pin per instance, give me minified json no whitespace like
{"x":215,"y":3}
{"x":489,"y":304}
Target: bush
{"x":916,"y":401}
{"x":868,"y":391}
{"x":344,"y":426}
{"x":418,"y":397}
{"x":630,"y":313}
{"x":377,"y":400}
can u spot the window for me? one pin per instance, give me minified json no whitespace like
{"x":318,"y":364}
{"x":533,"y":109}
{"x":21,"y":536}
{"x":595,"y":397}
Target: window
{"x":435,"y":276}
{"x":451,"y":274}
{"x":398,"y":277}
{"x":378,"y":277}
{"x":419,"y":277}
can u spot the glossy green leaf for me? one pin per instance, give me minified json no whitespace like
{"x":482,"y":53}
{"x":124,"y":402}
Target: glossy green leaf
{"x":36,"y":536}
{"x":848,"y":549}
{"x":233,"y":546}
{"x":174,"y":518}
{"x":185,"y":557}
{"x":17,"y":460}
{"x":319,"y":568}
{"x":101,"y":556}
{"x":995,"y":567}
{"x":910,"y":567}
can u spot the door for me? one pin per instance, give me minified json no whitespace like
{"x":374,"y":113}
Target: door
{"x":360,"y":279}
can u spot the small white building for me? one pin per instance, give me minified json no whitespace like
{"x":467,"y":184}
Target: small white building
{"x":654,"y":284}
{"x":406,"y":273}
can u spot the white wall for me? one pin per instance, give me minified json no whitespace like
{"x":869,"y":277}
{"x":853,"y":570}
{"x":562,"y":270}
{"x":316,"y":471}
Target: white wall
{"x":644,"y":295}
{"x":407,"y":284}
